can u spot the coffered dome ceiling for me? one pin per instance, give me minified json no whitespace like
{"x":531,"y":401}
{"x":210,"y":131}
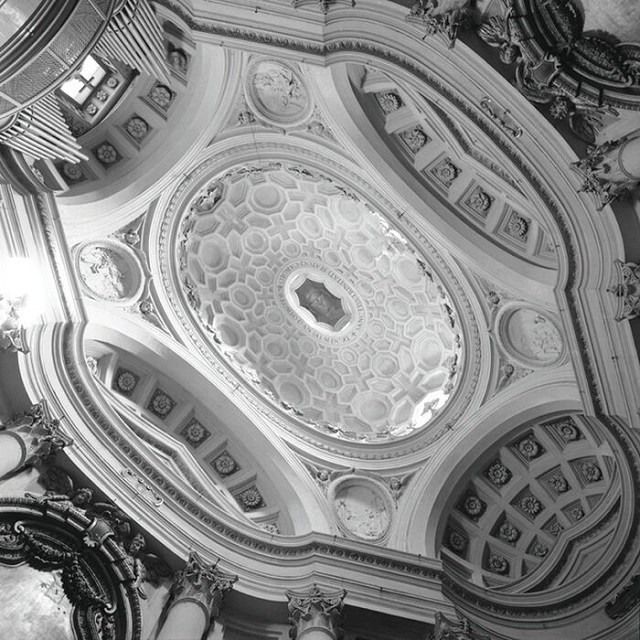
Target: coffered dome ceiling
{"x":317,"y":302}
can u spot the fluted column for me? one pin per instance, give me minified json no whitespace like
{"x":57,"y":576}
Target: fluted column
{"x":196,"y":596}
{"x":29,"y":438}
{"x":316,"y":615}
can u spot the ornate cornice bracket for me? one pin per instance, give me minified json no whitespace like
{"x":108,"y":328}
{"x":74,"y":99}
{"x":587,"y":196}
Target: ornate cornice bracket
{"x":316,"y":609}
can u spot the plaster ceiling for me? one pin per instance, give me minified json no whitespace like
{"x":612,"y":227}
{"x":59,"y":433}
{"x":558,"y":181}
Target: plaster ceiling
{"x":318,"y":303}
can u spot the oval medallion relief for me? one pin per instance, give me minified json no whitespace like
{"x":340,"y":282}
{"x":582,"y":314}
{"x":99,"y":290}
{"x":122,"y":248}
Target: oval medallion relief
{"x":109,"y":271}
{"x":277,"y":93}
{"x":362,"y":508}
{"x":531,"y":336}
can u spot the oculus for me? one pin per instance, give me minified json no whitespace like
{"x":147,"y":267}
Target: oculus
{"x":321,"y":303}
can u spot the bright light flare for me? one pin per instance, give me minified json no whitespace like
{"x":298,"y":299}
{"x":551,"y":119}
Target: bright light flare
{"x":21,"y":283}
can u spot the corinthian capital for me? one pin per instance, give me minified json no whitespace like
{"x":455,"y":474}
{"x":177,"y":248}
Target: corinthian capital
{"x":203,"y":584}
{"x":316,"y":609}
{"x":38,"y":433}
{"x":627,"y":290}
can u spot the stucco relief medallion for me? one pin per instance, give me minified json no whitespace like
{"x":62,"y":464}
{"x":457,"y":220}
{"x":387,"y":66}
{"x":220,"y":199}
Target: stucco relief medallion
{"x":531,"y":336}
{"x":109,"y":271}
{"x":277,"y":93}
{"x":362,"y":508}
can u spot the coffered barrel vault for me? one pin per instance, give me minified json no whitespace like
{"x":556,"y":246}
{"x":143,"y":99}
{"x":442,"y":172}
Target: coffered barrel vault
{"x":335,"y":319}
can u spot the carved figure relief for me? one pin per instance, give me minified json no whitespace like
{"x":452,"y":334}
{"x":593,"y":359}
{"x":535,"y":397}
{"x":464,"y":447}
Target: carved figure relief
{"x":276,"y":92}
{"x":530,"y":336}
{"x":362,"y":508}
{"x":109,"y":271}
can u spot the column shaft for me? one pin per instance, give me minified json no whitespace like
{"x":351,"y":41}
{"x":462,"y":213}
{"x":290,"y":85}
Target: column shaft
{"x":186,"y":621}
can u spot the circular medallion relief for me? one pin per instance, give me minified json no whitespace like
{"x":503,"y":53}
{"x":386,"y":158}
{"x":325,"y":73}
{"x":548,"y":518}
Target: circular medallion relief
{"x":318,"y":304}
{"x":109,"y":271}
{"x":276,"y":91}
{"x":362,"y":508}
{"x":531,"y":336}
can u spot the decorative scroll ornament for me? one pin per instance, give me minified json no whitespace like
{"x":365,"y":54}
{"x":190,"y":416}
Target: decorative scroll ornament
{"x":628,"y":291}
{"x":448,"y":22}
{"x":316,"y":609}
{"x":445,"y":629}
{"x":201,"y":583}
{"x":581,"y":77}
{"x":39,"y":434}
{"x":611,"y":170}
